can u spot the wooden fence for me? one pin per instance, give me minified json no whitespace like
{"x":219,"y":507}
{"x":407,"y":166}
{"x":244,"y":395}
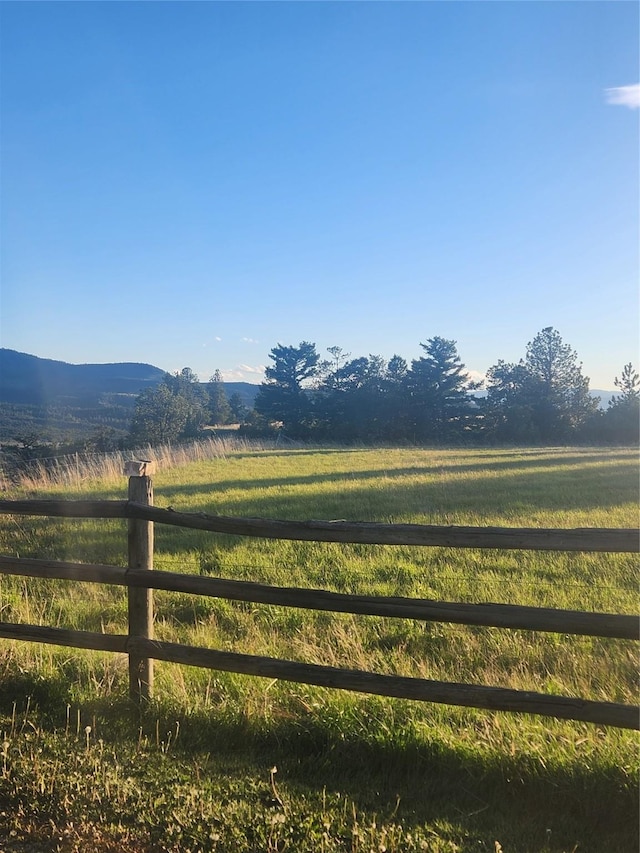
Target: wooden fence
{"x":140,"y":580}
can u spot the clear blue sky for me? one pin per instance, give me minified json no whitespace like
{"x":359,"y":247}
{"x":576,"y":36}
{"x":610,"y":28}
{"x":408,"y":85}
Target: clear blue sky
{"x":189,"y":184}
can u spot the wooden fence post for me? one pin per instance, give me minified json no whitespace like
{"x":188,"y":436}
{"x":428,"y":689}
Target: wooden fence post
{"x":140,"y":548}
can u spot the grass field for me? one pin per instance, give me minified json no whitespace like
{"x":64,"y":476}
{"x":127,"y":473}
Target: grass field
{"x":82,"y":770}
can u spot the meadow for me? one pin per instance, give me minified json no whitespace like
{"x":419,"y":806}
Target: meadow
{"x":230,"y":763}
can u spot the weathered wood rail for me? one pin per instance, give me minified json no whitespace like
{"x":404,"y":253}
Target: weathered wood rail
{"x":140,"y":580}
{"x":400,"y":687}
{"x":490,"y":615}
{"x":603,"y":539}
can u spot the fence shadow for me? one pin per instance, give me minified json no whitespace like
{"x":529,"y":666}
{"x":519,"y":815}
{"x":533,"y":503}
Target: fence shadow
{"x":480,"y":795}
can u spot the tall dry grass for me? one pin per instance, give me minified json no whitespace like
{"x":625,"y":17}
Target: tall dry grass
{"x":75,"y":469}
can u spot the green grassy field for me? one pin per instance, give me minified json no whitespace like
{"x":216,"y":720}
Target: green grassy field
{"x":354,"y":772}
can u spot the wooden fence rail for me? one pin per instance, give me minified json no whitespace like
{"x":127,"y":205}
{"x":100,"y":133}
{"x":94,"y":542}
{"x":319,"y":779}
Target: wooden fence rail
{"x":490,"y":615}
{"x":603,"y":539}
{"x":400,"y":687}
{"x":139,"y":579}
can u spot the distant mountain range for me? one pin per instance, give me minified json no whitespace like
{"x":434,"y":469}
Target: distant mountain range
{"x":42,"y":381}
{"x":58,"y":398}
{"x":605,"y":396}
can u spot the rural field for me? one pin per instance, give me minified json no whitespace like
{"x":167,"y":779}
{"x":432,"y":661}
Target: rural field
{"x":223,"y":762}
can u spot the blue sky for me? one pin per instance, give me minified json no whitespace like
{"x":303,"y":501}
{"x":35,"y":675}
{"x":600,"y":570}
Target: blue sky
{"x":189,"y":184}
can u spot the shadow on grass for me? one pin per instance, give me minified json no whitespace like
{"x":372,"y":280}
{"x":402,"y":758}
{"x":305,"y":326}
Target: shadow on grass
{"x":525,"y":801}
{"x":523,"y":495}
{"x":542,"y":466}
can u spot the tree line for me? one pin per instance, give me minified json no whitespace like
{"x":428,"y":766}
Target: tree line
{"x":542,"y":399}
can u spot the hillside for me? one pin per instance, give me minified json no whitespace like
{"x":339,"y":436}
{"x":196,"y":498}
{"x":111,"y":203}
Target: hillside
{"x":41,"y":381}
{"x":58,"y":400}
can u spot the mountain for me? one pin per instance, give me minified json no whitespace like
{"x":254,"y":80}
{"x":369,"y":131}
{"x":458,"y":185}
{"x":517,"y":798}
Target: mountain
{"x":245,"y":390}
{"x":56,"y":399}
{"x":41,"y":381}
{"x":605,"y":396}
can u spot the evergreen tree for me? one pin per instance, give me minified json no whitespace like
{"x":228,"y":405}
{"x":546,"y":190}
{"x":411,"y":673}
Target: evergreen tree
{"x":348,"y":402}
{"x":331,"y":370}
{"x":394,"y":401}
{"x":544,"y":398}
{"x":623,"y":413}
{"x":219,"y":408}
{"x":160,"y":416}
{"x":397,"y":370}
{"x":559,"y":392}
{"x":629,"y":385}
{"x":173,"y":411}
{"x":237,"y":409}
{"x":283,"y":396}
{"x":509,"y":406}
{"x":440,"y":400}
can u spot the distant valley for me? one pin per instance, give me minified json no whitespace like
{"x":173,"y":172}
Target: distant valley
{"x":61,"y":401}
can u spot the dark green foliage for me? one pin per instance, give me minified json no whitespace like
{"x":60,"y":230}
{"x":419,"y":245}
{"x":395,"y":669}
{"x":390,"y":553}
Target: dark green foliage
{"x":160,"y":416}
{"x":441,"y":406}
{"x":238,"y":410}
{"x":543,"y":399}
{"x":283,"y":397}
{"x":174,"y":411}
{"x":622,"y":419}
{"x":560,"y":393}
{"x":509,"y":405}
{"x":361,"y":399}
{"x":219,"y":409}
{"x":104,"y":440}
{"x":255,"y":425}
{"x":31,"y":450}
{"x":73,"y":421}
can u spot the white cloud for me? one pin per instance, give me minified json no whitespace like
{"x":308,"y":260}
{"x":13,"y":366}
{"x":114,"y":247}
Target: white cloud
{"x":624,"y":96}
{"x":249,"y":341}
{"x":244,"y":373}
{"x":217,"y":338}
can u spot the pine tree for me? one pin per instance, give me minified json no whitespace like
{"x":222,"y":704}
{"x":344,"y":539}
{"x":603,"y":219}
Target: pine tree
{"x":623,"y":414}
{"x":543,"y":398}
{"x":441,"y":403}
{"x":560,"y":393}
{"x":173,"y":411}
{"x":283,"y":396}
{"x":219,"y":408}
